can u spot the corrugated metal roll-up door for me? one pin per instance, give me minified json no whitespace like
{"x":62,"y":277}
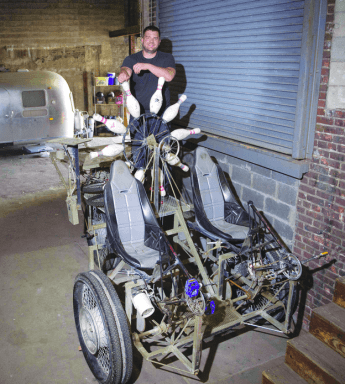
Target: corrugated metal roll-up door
{"x":238,"y":62}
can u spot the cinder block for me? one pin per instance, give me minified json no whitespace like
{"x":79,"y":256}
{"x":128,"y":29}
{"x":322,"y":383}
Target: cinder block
{"x":338,"y":49}
{"x":278,"y":209}
{"x":335,"y":97}
{"x":237,"y":162}
{"x":339,"y":7}
{"x":260,"y":170}
{"x":241,"y":176}
{"x":264,"y":185}
{"x":283,"y":229}
{"x":337,"y":73}
{"x":250,"y":194}
{"x":281,"y":178}
{"x":339,"y":24}
{"x":287,"y":194}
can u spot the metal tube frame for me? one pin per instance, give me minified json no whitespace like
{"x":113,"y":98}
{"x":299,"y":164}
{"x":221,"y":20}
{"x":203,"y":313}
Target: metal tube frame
{"x":193,"y":330}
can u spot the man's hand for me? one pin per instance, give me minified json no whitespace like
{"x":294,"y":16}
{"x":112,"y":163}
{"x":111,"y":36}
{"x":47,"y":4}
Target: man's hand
{"x":168,"y":73}
{"x":137,"y":68}
{"x":125,"y":74}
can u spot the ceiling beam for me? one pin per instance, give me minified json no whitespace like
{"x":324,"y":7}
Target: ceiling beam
{"x":133,"y":30}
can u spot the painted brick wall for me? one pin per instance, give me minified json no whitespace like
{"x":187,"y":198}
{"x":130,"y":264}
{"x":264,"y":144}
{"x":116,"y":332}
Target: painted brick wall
{"x":321,"y":196}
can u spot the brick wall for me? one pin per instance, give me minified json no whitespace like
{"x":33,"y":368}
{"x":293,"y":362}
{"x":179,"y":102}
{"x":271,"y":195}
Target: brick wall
{"x":66,"y":37}
{"x":321,"y":196}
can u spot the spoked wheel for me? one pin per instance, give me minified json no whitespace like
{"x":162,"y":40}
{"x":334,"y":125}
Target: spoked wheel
{"x":169,"y":147}
{"x":293,"y":267}
{"x":146,"y":132}
{"x":102,"y":328}
{"x":197,"y":305}
{"x":279,"y":287}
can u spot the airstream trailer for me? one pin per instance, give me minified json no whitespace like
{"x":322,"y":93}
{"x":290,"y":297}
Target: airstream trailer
{"x":34,"y":106}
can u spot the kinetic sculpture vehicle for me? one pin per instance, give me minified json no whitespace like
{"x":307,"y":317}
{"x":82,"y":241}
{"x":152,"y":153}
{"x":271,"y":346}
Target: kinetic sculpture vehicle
{"x":164,"y":285}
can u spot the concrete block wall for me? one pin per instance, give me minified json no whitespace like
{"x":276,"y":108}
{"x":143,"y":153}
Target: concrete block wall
{"x":336,"y":85}
{"x":64,"y":36}
{"x":320,"y":223}
{"x":272,"y":193}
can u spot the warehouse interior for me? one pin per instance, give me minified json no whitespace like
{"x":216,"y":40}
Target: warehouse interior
{"x":303,"y":197}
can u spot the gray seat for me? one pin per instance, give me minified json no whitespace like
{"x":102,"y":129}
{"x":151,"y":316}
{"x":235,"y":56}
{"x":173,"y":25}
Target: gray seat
{"x":133,"y":230}
{"x":216,"y":209}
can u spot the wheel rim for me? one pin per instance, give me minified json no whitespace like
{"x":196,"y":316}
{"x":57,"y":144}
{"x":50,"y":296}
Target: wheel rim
{"x":169,"y":145}
{"x":93,"y":330}
{"x":293,"y":267}
{"x":89,"y":330}
{"x":197,"y":304}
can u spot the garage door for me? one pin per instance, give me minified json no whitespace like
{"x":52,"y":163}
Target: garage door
{"x":243,"y":65}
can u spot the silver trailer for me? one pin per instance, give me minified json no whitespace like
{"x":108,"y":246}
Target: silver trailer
{"x":35,"y":106}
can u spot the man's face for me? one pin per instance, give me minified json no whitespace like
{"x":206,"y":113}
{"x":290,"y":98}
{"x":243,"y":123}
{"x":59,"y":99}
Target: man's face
{"x":151,"y":41}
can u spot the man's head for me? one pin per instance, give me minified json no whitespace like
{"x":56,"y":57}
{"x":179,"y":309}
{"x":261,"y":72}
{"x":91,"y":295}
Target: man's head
{"x":151,"y":39}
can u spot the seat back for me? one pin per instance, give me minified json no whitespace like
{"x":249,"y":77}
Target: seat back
{"x":128,"y":212}
{"x":132,"y":228}
{"x":209,"y":185}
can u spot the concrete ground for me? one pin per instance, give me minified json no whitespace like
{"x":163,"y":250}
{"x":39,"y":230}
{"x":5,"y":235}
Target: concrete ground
{"x":41,"y":254}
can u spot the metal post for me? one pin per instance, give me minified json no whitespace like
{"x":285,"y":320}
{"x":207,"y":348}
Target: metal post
{"x":77,"y":173}
{"x":156,"y":176}
{"x":197,"y":342}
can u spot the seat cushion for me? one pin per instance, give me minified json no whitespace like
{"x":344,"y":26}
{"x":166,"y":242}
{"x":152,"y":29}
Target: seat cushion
{"x":236,"y":231}
{"x":145,"y":255}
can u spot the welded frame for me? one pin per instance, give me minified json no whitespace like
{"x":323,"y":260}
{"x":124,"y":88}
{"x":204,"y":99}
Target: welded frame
{"x":193,"y":330}
{"x":194,"y":327}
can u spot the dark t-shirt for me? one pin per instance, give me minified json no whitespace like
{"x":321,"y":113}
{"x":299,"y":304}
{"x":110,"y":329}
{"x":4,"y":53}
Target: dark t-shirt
{"x":144,"y":85}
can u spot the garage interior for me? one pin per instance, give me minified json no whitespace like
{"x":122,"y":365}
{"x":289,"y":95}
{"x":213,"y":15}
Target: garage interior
{"x":43,"y":253}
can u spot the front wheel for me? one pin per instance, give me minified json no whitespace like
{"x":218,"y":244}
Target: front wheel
{"x":99,"y":334}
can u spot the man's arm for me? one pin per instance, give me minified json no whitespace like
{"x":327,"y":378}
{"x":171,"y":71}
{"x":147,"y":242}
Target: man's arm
{"x":125,"y":74}
{"x":168,"y":73}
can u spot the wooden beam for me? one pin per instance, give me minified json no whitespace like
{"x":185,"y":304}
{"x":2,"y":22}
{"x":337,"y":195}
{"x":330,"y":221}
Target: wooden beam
{"x":133,"y":30}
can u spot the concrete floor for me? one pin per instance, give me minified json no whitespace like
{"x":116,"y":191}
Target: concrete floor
{"x":41,"y":254}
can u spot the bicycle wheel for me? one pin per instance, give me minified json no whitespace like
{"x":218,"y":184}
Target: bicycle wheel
{"x":146,"y":132}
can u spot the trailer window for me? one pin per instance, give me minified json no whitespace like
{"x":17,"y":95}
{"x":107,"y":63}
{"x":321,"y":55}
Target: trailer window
{"x":33,"y":99}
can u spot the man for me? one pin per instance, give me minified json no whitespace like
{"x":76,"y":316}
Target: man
{"x":145,"y":67}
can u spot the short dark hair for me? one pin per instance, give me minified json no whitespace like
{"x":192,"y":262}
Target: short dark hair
{"x":152,"y":28}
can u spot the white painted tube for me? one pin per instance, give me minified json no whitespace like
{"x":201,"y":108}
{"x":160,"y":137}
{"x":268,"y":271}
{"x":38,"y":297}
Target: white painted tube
{"x":143,"y":304}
